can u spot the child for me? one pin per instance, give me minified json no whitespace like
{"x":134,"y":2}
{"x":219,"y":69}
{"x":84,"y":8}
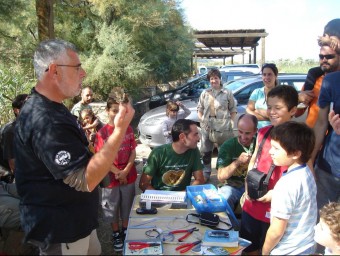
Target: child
{"x":172,"y":109}
{"x":327,"y":231}
{"x":117,"y":197}
{"x":293,"y":209}
{"x":91,"y":124}
{"x":281,"y":106}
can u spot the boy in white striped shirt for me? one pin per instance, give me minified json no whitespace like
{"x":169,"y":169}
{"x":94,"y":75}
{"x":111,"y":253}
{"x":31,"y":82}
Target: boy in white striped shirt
{"x":293,"y":206}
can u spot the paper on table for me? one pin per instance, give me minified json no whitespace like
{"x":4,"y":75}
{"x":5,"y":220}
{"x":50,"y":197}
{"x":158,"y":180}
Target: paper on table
{"x":163,"y":196}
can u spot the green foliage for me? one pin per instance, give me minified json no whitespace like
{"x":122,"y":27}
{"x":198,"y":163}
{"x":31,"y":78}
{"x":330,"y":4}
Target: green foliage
{"x":116,"y":64}
{"x":157,"y":29}
{"x":295,"y":66}
{"x":17,"y":31}
{"x":13,"y":81}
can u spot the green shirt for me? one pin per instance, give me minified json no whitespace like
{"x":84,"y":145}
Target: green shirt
{"x":172,"y":171}
{"x":229,"y":151}
{"x":77,"y":108}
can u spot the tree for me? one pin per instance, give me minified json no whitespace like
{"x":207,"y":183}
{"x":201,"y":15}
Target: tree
{"x":44,"y":10}
{"x":116,"y":64}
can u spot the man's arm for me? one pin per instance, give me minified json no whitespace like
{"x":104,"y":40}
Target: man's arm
{"x":199,"y":178}
{"x":274,"y":234}
{"x":226,"y":172}
{"x":100,"y":164}
{"x":320,"y":129}
{"x":261,"y":115}
{"x":145,"y":182}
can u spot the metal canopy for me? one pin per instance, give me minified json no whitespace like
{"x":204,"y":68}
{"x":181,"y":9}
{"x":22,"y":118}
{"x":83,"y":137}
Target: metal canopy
{"x":228,"y":43}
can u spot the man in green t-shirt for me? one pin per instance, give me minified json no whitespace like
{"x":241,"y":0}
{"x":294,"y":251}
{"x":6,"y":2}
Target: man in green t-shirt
{"x":233,"y":159}
{"x":171,"y":166}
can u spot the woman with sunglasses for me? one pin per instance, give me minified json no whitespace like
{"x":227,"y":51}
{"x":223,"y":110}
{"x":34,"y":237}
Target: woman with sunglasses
{"x":257,"y":104}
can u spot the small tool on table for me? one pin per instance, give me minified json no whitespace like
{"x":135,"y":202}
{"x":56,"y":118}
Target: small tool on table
{"x":141,"y":245}
{"x":188,"y":246}
{"x":187,"y":231}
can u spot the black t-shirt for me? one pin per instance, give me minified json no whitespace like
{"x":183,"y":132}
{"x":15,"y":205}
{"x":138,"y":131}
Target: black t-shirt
{"x":50,"y":145}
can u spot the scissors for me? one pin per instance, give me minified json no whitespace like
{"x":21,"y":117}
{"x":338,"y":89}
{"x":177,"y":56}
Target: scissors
{"x":187,"y":231}
{"x":186,"y":247}
{"x":141,"y":245}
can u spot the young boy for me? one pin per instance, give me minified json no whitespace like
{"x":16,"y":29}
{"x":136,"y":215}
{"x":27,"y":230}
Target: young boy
{"x":281,"y":106}
{"x":327,"y":231}
{"x":117,"y":197}
{"x":293,"y":208}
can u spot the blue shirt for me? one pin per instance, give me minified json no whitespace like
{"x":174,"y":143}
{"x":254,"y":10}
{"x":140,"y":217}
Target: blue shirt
{"x":329,"y":157}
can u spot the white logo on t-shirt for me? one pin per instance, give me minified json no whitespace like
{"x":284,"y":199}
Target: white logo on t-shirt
{"x":62,"y":158}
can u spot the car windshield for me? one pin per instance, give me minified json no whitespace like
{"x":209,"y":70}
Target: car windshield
{"x":234,"y":85}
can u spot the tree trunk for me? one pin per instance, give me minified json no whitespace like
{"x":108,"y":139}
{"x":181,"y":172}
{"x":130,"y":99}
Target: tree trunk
{"x":44,"y":10}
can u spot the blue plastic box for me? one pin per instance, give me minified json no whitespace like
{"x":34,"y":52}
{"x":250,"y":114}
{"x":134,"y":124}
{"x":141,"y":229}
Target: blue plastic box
{"x":205,"y":198}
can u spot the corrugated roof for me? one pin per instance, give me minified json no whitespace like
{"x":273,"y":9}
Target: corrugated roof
{"x":226,"y":43}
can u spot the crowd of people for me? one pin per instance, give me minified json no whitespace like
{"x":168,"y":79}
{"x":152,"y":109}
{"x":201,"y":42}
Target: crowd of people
{"x":67,"y":163}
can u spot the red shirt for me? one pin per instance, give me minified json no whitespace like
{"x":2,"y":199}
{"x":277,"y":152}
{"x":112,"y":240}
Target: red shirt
{"x":124,"y":152}
{"x":260,"y":210}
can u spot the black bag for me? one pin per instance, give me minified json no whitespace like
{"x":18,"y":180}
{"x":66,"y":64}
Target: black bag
{"x":257,"y":181}
{"x":208,"y":219}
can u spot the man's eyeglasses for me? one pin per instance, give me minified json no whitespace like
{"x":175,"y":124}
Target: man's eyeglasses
{"x":327,"y":56}
{"x":62,"y":65}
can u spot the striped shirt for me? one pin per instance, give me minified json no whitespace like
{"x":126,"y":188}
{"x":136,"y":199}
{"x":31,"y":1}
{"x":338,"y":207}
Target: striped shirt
{"x":294,"y":199}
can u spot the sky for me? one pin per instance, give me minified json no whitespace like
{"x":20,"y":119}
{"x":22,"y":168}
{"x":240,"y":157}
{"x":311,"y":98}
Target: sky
{"x":293,"y":26}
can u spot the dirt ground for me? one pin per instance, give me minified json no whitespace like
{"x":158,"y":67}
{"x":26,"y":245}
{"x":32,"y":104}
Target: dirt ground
{"x":104,"y":231}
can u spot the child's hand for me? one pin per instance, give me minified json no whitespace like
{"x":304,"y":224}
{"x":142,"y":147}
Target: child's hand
{"x":180,"y":104}
{"x":123,"y":181}
{"x":267,"y":198}
{"x":114,"y":170}
{"x":121,"y":174}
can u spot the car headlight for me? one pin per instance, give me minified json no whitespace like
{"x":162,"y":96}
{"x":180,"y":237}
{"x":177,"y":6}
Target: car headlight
{"x":168,"y":95}
{"x":177,"y":96}
{"x":155,"y":98}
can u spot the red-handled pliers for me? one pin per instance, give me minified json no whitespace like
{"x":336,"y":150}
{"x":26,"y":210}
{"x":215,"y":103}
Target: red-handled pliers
{"x":186,"y":247}
{"x":141,"y":245}
{"x":187,"y":231}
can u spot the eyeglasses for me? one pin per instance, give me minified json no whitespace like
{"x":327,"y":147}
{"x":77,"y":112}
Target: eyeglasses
{"x":327,"y":56}
{"x":62,"y":65}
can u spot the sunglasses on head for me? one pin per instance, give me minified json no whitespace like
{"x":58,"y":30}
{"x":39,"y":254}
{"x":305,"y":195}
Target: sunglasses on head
{"x":327,"y":56}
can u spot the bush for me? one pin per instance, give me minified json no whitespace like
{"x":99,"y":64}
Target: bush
{"x":12,"y":82}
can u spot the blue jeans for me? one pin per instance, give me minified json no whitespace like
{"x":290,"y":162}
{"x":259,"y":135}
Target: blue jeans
{"x":231,"y":194}
{"x":328,"y":187}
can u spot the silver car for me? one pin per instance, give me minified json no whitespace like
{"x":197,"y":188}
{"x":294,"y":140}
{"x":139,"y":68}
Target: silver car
{"x":150,"y":124}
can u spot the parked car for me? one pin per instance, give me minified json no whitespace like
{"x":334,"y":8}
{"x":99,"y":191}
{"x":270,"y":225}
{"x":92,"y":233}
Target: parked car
{"x":192,"y":89}
{"x":254,"y":68}
{"x":242,"y":88}
{"x":150,"y":124}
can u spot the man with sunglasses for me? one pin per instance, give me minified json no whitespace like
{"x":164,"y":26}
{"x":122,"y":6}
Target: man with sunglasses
{"x":56,"y":175}
{"x":327,"y":159}
{"x":329,"y":62}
